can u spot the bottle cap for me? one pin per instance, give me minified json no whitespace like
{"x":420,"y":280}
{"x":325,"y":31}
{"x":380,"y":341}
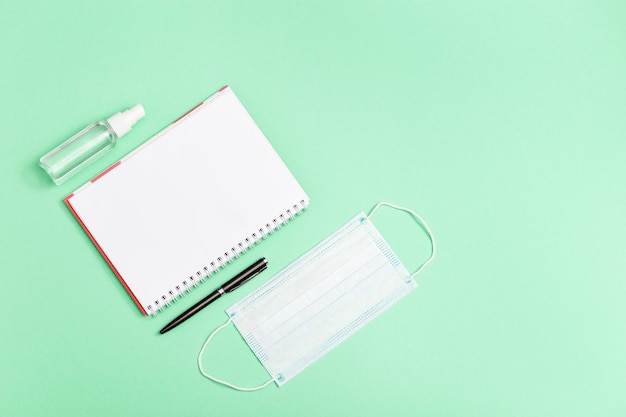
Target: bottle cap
{"x":122,"y":122}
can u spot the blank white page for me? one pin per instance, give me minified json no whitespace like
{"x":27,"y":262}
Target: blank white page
{"x":186,"y":201}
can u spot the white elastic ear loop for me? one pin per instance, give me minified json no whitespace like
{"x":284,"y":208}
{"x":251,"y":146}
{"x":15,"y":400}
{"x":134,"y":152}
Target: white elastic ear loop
{"x":228,"y":384}
{"x":421,"y":221}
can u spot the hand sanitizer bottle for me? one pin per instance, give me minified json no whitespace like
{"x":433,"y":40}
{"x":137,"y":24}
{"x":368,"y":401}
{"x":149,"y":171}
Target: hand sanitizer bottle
{"x":88,"y":144}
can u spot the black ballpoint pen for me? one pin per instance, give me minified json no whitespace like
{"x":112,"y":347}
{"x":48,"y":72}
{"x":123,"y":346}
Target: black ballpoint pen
{"x":230,"y":286}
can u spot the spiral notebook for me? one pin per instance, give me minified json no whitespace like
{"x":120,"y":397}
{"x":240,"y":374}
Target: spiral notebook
{"x":188,"y":201}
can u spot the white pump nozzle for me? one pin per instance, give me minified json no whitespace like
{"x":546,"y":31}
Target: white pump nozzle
{"x":122,"y":122}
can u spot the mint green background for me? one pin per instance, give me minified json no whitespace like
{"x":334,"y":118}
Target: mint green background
{"x":502,"y":123}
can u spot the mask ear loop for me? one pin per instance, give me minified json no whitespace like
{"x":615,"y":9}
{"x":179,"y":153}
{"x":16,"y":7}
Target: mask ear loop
{"x":219,"y":381}
{"x":421,"y":221}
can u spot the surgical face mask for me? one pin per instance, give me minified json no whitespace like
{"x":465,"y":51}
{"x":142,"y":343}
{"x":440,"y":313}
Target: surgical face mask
{"x":322,"y":298}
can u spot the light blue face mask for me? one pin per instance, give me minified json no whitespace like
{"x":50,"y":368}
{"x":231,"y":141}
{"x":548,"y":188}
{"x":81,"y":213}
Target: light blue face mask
{"x":322,"y":298}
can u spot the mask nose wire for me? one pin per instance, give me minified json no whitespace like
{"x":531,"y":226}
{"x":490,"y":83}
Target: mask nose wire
{"x":420,"y":221}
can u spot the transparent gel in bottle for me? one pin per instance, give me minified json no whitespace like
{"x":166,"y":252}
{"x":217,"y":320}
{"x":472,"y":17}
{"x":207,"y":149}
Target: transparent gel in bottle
{"x":89,"y":144}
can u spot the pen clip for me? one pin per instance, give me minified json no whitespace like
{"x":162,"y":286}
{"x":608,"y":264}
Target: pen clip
{"x":243,"y":281}
{"x":256,"y":269}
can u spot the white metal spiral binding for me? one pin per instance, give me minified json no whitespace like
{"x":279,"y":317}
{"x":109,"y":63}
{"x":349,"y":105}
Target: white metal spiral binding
{"x":215,"y":265}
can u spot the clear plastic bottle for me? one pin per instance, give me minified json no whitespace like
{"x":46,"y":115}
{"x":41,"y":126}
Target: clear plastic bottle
{"x":89,"y":144}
